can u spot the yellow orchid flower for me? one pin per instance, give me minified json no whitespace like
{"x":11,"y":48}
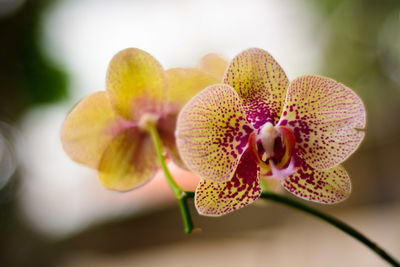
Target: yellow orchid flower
{"x":108,"y":130}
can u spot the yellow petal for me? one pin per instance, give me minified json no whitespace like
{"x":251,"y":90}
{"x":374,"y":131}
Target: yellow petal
{"x":212,"y":133}
{"x":129,"y":161}
{"x":261,"y":84}
{"x":216,"y":199}
{"x":136,"y":84}
{"x":89,"y":128}
{"x":328,"y":186}
{"x":183,"y":84}
{"x":214,"y":64}
{"x":327,"y":119}
{"x":166,"y":128}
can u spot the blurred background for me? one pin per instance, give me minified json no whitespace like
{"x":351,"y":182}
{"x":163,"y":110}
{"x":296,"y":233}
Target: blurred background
{"x":53,"y":212}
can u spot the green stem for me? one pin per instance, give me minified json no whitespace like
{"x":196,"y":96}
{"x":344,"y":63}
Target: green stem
{"x":263,"y":185}
{"x":333,"y":221}
{"x":178,"y":192}
{"x":187,"y":218}
{"x":158,"y":145}
{"x":329,"y":219}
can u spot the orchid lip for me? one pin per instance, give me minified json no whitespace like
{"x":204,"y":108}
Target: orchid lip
{"x":274,"y":165}
{"x":281,"y":174}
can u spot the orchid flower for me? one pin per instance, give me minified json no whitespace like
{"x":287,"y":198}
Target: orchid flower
{"x":109,"y":130}
{"x":257,"y":124}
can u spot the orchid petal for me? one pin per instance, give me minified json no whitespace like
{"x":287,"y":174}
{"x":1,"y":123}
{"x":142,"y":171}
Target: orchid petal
{"x":88,"y":129}
{"x":216,"y":199}
{"x":129,"y":161}
{"x":183,"y":84}
{"x":261,"y":84}
{"x":166,"y":128}
{"x":327,"y":186}
{"x":326,"y":118}
{"x":136,"y":84}
{"x":212,"y":133}
{"x":213,"y":64}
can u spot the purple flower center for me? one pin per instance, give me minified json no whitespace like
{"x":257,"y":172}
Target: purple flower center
{"x":271,"y":148}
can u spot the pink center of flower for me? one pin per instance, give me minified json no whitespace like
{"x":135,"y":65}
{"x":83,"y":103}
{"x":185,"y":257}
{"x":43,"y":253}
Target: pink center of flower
{"x":272,"y":149}
{"x":147,"y":120}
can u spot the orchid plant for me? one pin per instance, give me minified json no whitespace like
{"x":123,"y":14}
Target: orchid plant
{"x":258,"y":124}
{"x":249,"y":123}
{"x":111,"y":130}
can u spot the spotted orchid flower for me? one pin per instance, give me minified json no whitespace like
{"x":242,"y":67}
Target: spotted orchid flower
{"x":107,"y":129}
{"x":257,"y":124}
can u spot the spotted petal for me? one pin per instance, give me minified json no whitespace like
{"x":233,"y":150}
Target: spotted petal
{"x":183,"y":84}
{"x":214,"y":64}
{"x":212,"y":133}
{"x":129,"y":161}
{"x":136,"y":84}
{"x":261,"y":84}
{"x":327,"y":186}
{"x":216,"y":199}
{"x":88,"y":129}
{"x":326,"y":118}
